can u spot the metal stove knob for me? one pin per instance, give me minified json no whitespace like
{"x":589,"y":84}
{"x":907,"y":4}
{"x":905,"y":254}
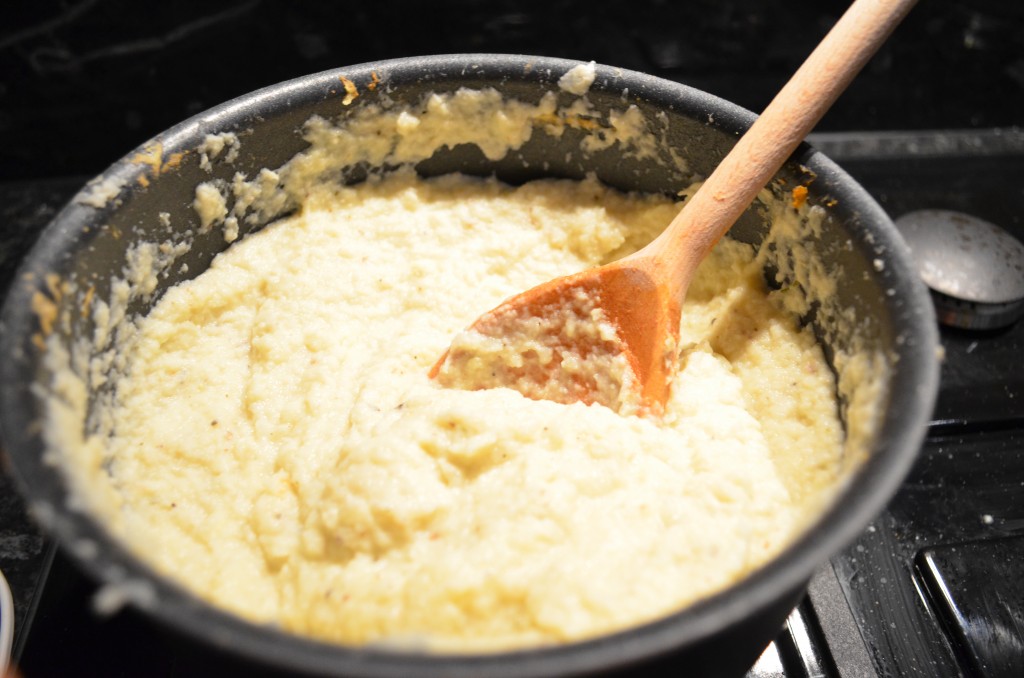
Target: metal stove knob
{"x":975,"y":269}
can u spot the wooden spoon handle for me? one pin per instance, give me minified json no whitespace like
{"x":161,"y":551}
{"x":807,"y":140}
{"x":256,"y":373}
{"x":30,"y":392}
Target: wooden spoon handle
{"x":773,"y":137}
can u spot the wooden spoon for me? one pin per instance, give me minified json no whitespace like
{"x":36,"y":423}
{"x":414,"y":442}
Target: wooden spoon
{"x":554,"y":341}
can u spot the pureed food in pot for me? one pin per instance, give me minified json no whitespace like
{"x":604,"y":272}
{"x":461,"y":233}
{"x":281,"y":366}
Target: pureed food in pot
{"x":272,"y":440}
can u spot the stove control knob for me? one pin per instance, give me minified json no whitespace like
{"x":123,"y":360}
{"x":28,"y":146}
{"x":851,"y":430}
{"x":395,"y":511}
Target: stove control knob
{"x":974,"y":268}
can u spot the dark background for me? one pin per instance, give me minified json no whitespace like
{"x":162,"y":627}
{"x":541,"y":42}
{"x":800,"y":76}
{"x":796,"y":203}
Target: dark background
{"x":82,"y":82}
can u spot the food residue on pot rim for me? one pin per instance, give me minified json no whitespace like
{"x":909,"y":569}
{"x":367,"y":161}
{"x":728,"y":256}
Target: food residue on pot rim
{"x":215,"y":144}
{"x":101,"y":191}
{"x":577,"y":80}
{"x":358,"y":487}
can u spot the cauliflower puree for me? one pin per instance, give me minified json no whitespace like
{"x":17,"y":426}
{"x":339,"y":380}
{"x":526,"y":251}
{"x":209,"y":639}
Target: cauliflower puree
{"x":281,"y":451}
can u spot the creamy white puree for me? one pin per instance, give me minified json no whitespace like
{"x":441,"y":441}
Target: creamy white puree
{"x":214,"y":144}
{"x":280,"y":449}
{"x":578,"y":79}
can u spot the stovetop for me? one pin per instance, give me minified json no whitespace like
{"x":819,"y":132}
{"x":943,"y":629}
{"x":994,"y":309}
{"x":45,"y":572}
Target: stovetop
{"x":933,"y":587}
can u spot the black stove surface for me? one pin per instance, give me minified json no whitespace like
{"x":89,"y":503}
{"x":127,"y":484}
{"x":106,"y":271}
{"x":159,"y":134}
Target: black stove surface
{"x":931,"y":588}
{"x":934,"y":585}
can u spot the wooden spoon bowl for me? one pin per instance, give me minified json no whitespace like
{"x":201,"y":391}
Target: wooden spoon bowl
{"x":640,"y":296}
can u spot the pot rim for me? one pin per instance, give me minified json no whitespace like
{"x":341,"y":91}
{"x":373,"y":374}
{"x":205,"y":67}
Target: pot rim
{"x":912,"y":395}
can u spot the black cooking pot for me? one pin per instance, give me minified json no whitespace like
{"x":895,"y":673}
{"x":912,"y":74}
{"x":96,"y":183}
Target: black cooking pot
{"x":86,"y":246}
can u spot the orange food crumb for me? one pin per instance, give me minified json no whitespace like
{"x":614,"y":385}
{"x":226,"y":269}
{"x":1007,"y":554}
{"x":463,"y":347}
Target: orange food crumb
{"x":799,"y":196}
{"x":87,"y":300}
{"x":351,"y":92}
